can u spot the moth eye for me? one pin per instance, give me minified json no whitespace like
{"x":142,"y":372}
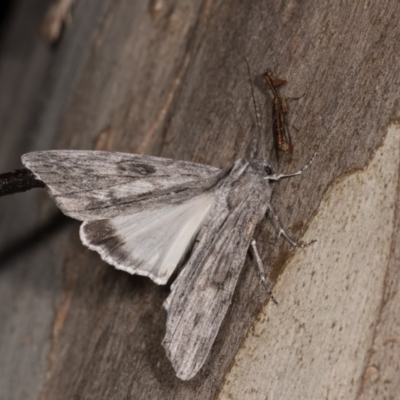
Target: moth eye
{"x":268,"y":170}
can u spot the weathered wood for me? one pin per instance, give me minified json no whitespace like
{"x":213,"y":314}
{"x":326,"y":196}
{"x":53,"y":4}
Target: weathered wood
{"x":168,"y":78}
{"x":326,"y":330}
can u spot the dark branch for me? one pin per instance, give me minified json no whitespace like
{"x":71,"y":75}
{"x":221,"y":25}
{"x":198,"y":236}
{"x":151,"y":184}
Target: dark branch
{"x":18,"y":181}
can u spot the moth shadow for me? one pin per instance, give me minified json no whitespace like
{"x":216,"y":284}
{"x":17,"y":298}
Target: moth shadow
{"x":33,"y":238}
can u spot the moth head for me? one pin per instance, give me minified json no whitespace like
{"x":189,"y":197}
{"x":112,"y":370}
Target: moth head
{"x":268,"y":169}
{"x":262,"y":166}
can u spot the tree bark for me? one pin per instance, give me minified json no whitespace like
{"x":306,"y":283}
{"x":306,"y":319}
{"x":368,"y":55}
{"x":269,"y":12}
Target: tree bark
{"x":167,"y":78}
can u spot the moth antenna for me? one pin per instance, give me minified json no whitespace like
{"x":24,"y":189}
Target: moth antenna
{"x":254,"y":148}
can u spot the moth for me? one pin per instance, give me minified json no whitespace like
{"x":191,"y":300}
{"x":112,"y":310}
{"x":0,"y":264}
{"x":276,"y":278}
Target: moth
{"x":142,"y":214}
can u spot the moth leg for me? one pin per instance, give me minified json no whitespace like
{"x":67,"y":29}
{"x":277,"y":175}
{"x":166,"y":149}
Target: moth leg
{"x":264,"y":279}
{"x":276,"y":177}
{"x":283,"y":233}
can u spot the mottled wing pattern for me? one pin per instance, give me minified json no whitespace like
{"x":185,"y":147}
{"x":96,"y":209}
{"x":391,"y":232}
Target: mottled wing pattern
{"x":140,"y":213}
{"x":92,"y":185}
{"x":202,"y":293}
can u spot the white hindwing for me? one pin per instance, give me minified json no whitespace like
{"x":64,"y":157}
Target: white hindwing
{"x":141,"y":213}
{"x":149,"y":243}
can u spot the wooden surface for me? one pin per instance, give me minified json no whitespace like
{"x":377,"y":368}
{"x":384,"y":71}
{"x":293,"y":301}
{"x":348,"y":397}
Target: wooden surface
{"x":326,"y":330}
{"x":168,"y":78}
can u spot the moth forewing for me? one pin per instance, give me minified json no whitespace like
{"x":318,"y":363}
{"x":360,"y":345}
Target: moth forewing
{"x":93,"y":185}
{"x":203,"y":291}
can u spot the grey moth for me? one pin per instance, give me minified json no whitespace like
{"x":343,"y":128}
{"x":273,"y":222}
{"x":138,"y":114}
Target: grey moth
{"x":142,"y":215}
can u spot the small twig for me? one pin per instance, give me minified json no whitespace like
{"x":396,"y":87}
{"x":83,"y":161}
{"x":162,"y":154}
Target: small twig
{"x":20,"y":180}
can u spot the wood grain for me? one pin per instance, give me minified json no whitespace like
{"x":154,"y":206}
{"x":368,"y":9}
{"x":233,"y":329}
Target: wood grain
{"x":167,"y":78}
